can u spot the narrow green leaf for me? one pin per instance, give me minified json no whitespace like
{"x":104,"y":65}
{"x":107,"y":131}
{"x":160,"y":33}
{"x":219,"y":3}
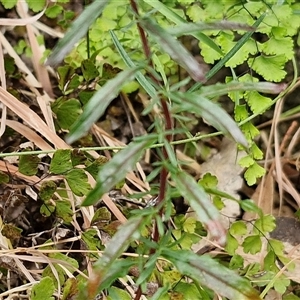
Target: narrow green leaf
{"x":201,"y":204}
{"x":175,"y":49}
{"x":212,"y":113}
{"x":172,"y":16}
{"x":207,"y":271}
{"x":188,"y":28}
{"x":119,"y":269}
{"x":142,"y":80}
{"x":249,"y":205}
{"x":220,"y":89}
{"x":98,"y":104}
{"x":77,"y":31}
{"x":117,"y":245}
{"x":61,"y":161}
{"x":116,"y":169}
{"x":229,"y":55}
{"x":216,"y":192}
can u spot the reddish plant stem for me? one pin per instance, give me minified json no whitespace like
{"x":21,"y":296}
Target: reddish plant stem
{"x":168,"y":128}
{"x":142,"y":34}
{"x":164,"y":172}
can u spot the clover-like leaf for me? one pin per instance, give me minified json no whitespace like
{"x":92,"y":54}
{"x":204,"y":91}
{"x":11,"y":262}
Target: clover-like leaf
{"x":43,"y":290}
{"x":78,"y":182}
{"x":61,"y":161}
{"x":269,"y":67}
{"x":67,"y":112}
{"x":77,"y":31}
{"x":28,"y":164}
{"x":47,"y":190}
{"x":253,"y":172}
{"x":252,"y":244}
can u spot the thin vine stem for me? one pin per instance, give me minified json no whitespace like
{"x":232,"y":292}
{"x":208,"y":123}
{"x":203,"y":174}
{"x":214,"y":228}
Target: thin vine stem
{"x":113,"y":148}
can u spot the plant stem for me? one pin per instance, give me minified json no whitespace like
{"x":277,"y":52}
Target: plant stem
{"x":168,"y":128}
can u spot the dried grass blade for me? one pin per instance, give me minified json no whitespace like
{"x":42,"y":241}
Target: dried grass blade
{"x":44,"y":103}
{"x":21,"y":22}
{"x":29,"y":134}
{"x":3,"y":83}
{"x":41,"y":71}
{"x":31,"y":80}
{"x":30,"y":117}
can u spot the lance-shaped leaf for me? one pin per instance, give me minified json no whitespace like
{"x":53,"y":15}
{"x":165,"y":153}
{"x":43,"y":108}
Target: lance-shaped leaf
{"x":175,"y":49}
{"x":78,"y":30}
{"x":223,"y":89}
{"x":175,"y":18}
{"x":189,"y":28}
{"x":116,"y":169}
{"x":212,"y":113}
{"x":201,"y":204}
{"x":229,"y":55}
{"x":129,"y":63}
{"x":118,"y":244}
{"x":98,"y":104}
{"x":208,"y":272}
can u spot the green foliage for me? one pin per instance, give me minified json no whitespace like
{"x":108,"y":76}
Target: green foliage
{"x":53,"y":11}
{"x":36,"y":5}
{"x":116,"y":169}
{"x":67,"y":111}
{"x":61,"y":162}
{"x":47,"y":190}
{"x":115,"y":293}
{"x":4,"y":178}
{"x":113,"y":59}
{"x":43,"y":290}
{"x":28,"y":165}
{"x":78,"y":182}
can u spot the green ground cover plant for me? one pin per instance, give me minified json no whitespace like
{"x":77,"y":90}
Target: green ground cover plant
{"x":124,"y":47}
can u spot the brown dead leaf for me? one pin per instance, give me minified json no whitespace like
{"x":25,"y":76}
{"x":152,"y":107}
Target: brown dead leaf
{"x":31,"y":118}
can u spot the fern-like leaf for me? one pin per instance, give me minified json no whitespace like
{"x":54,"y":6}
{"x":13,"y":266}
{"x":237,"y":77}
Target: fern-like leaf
{"x":269,"y":67}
